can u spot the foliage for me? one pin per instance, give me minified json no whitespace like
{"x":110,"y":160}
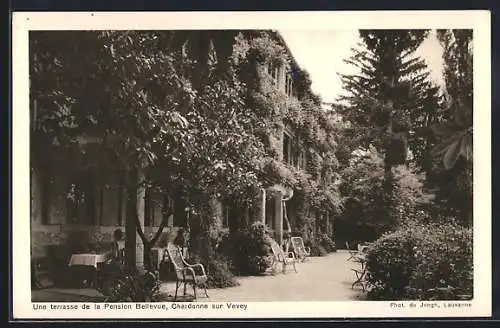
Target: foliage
{"x":454,"y":191}
{"x":445,"y":268}
{"x":455,"y":134}
{"x":131,"y":100}
{"x":390,"y":264}
{"x":219,"y":274}
{"x":315,"y":184}
{"x":118,"y":285}
{"x":388,"y":100}
{"x":250,"y":250}
{"x":327,"y":243}
{"x":362,"y":185}
{"x":410,"y":195}
{"x":391,"y":96}
{"x":320,"y":245}
{"x":90,"y":88}
{"x":134,"y":99}
{"x":317,"y":249}
{"x":451,"y":173}
{"x":421,"y":261}
{"x":211,"y":253}
{"x":191,"y":110}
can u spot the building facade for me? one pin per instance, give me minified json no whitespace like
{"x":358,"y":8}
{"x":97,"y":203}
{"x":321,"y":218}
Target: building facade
{"x":63,"y":221}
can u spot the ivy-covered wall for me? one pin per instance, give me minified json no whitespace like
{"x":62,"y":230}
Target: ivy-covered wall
{"x":313,"y":176}
{"x":299,"y":111}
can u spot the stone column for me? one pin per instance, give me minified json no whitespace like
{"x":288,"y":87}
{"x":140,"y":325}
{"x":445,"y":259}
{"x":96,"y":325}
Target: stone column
{"x":278,"y":217}
{"x":141,"y":201}
{"x":262,"y":214}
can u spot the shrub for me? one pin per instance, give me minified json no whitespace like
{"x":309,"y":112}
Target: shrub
{"x":219,"y":274}
{"x":390,"y":264}
{"x":316,"y":248}
{"x":119,"y":285}
{"x":216,"y":263}
{"x":327,"y":243}
{"x":444,"y":264}
{"x":250,"y":250}
{"x":421,"y":262}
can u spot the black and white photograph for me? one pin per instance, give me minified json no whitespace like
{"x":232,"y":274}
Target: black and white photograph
{"x":232,"y":166}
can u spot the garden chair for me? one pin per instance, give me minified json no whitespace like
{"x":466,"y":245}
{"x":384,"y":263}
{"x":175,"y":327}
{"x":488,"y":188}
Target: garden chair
{"x":360,"y":273}
{"x":352,"y":253}
{"x":186,"y":273}
{"x":279,"y":256}
{"x":364,"y":247}
{"x":300,"y":250}
{"x":360,"y":278}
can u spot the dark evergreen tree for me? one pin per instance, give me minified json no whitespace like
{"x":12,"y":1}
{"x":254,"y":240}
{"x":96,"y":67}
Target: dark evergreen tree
{"x":390,"y":99}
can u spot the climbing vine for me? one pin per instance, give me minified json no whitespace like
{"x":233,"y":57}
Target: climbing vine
{"x":316,"y":187}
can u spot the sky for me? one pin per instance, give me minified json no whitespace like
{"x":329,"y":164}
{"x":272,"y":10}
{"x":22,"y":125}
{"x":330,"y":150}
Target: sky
{"x":321,"y":53}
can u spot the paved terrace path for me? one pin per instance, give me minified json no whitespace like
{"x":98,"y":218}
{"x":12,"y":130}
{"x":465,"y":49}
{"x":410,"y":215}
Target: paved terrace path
{"x":327,"y":278}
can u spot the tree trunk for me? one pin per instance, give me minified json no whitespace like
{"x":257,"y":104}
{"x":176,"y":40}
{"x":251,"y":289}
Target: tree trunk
{"x":387,"y":192}
{"x":134,"y":221}
{"x":148,"y":261}
{"x":131,"y":219}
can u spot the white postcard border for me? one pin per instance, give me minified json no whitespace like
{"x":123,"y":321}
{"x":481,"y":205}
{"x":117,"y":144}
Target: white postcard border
{"x":479,"y":21}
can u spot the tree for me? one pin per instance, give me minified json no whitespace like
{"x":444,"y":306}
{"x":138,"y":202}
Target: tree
{"x":453,"y":133}
{"x":390,"y":98}
{"x":124,"y":100}
{"x":362,"y":182}
{"x":96,"y":103}
{"x":456,"y":132}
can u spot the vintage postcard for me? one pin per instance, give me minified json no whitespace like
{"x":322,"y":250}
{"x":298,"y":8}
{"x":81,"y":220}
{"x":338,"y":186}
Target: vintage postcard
{"x":251,"y":165}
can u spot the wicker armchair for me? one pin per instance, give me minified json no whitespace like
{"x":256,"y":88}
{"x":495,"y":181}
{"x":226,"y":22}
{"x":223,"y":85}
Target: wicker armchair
{"x":300,"y":250}
{"x":193,"y":274}
{"x":281,"y":257}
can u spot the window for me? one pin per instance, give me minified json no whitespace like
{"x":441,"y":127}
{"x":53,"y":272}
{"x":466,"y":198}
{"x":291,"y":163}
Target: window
{"x":168,"y":203}
{"x":270,"y":212}
{"x":109,"y":204}
{"x":147,"y":208}
{"x":156,"y":207}
{"x":288,"y":85}
{"x":301,"y":160}
{"x":292,"y":154}
{"x":110,"y":201}
{"x":287,"y":148}
{"x":81,"y":200}
{"x":295,"y":155}
{"x":232,"y":214}
{"x":180,"y":213}
{"x":227,"y":213}
{"x":273,"y":70}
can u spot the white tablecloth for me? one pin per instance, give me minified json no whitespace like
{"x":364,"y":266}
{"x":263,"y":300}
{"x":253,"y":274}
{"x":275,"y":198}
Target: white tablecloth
{"x":87,"y":259}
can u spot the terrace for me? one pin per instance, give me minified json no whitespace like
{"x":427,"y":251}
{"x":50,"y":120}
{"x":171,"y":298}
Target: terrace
{"x":327,"y":278}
